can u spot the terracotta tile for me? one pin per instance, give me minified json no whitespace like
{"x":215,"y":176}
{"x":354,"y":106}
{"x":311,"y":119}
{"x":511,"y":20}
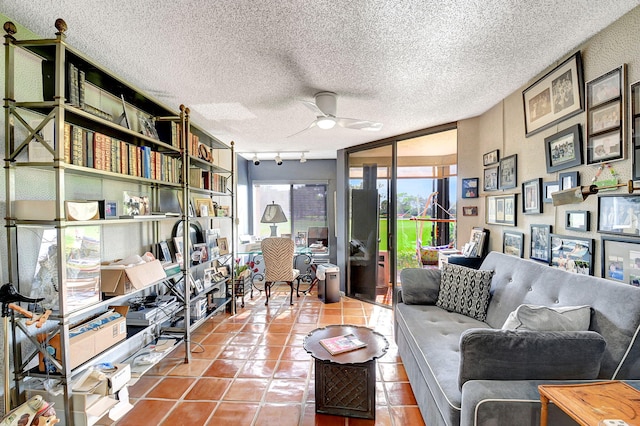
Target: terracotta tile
{"x":393,"y":372}
{"x":163,"y":367}
{"x":246,"y":390}
{"x":142,"y":386}
{"x":296,"y":339}
{"x":355,"y":320}
{"x":195,"y":368}
{"x":407,"y":416}
{"x":400,"y":393}
{"x":392,"y":354}
{"x":292,"y":370}
{"x":381,"y":396}
{"x":217,"y":339}
{"x":229,"y":327}
{"x":233,"y":414}
{"x":190,"y":413}
{"x":258,"y":368}
{"x":208,"y":389}
{"x":267,"y":352}
{"x":253,"y":328}
{"x":355,"y":312}
{"x":383,"y":418}
{"x":273,"y":339}
{"x":285,"y":328}
{"x":278,"y":414}
{"x":304,"y":328}
{"x":330,"y":319}
{"x":151,"y":410}
{"x":224,"y":368}
{"x":235,"y":352}
{"x":311,"y":418}
{"x":246,"y":339}
{"x":171,"y":388}
{"x":295,"y":353}
{"x":284,"y":390}
{"x":308,"y":318}
{"x":206,"y":351}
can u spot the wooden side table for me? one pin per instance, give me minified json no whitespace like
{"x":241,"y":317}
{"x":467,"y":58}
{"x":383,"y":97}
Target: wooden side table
{"x":346,"y":383}
{"x":589,"y":403}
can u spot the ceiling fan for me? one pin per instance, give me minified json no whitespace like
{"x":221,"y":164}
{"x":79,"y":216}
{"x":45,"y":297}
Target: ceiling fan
{"x":324,"y":108}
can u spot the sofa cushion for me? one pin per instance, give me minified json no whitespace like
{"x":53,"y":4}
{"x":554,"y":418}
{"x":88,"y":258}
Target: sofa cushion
{"x":420,"y":286}
{"x":545,"y":318}
{"x":488,"y":354}
{"x":465,"y":290}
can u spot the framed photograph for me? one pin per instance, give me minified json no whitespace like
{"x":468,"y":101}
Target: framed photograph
{"x":577,"y":220}
{"x":549,"y":188}
{"x":569,"y":180}
{"x":621,"y":260}
{"x":178,"y":243}
{"x":619,"y":214}
{"x":200,"y":253}
{"x":204,"y":207}
{"x":470,"y":187}
{"x":164,"y":251}
{"x":491,"y":179}
{"x":491,"y":157}
{"x":540,"y":242}
{"x":147,"y":127}
{"x":501,"y":210}
{"x":469,"y":210}
{"x":211,"y":239}
{"x":199,"y":285}
{"x":135,"y":204}
{"x":532,"y":199}
{"x":508,"y":172}
{"x":564,"y":149}
{"x":635,"y":129}
{"x":604,"y":118}
{"x":605,"y":88}
{"x":223,"y":245}
{"x":513,"y":243}
{"x":556,"y":96}
{"x":301,"y":239}
{"x":110,"y":209}
{"x":605,"y":147}
{"x":476,"y":245}
{"x":572,"y":254}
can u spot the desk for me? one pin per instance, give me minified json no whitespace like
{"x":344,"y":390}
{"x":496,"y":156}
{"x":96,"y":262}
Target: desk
{"x":345,"y":384}
{"x":589,"y":403}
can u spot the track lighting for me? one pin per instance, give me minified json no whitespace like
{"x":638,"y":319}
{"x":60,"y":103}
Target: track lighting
{"x":278,"y":160}
{"x":302,"y":159}
{"x":256,"y":160}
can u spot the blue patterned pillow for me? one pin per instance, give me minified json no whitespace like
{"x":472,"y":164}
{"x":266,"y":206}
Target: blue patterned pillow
{"x":465,"y":290}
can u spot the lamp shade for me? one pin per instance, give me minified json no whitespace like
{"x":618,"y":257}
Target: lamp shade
{"x":273,"y":214}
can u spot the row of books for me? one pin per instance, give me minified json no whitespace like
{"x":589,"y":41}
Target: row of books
{"x":199,"y":178}
{"x":95,"y":150}
{"x":169,"y":132}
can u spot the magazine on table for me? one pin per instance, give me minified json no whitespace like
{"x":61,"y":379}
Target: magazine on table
{"x":340,"y":344}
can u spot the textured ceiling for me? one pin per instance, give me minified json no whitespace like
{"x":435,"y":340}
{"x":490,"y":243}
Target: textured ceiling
{"x":242,"y":65}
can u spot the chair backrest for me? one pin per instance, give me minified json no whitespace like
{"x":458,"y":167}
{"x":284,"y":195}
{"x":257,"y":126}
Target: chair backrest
{"x":278,"y":259}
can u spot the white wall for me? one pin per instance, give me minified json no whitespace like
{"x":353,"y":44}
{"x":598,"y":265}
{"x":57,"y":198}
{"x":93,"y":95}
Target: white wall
{"x":502,"y":127}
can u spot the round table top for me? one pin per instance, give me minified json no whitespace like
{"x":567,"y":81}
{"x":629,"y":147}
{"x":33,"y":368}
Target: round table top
{"x":377,"y":344}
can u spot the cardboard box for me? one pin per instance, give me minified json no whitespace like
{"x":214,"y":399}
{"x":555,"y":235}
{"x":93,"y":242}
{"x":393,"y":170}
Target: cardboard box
{"x":88,"y":344}
{"x":116,"y":281}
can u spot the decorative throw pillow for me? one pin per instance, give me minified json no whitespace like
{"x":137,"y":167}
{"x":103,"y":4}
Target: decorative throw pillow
{"x":465,"y":290}
{"x":545,"y":318}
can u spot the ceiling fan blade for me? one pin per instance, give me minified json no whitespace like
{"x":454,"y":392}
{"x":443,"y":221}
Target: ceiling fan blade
{"x":313,"y":107}
{"x":352,"y":123}
{"x":312,"y":125}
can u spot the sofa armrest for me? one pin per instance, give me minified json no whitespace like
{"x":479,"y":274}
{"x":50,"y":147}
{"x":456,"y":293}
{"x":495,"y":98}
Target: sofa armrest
{"x":420,"y":286}
{"x":490,"y":354}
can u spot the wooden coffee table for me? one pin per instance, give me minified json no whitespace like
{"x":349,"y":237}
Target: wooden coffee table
{"x":346,"y":383}
{"x":589,"y":403}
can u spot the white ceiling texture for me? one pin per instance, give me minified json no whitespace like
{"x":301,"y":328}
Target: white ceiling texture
{"x":243,"y":66}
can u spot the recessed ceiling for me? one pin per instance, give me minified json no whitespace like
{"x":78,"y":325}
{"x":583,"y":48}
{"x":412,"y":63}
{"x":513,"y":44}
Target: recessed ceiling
{"x":242,"y":66}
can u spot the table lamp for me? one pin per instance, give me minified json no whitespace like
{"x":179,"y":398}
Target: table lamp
{"x":273,"y":214}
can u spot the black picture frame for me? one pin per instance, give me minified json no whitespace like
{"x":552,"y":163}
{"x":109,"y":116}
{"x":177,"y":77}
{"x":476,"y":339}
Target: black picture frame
{"x":508,"y":172}
{"x":635,"y":129}
{"x":513,"y":243}
{"x":605,"y":147}
{"x":470,"y":187}
{"x":577,"y":220}
{"x":163,"y":249}
{"x":619,"y":214}
{"x":532,"y":196}
{"x":491,"y":179}
{"x":469,"y":210}
{"x":620,"y":260}
{"x":568,"y":180}
{"x":491,"y":157}
{"x":549,"y":188}
{"x":564,"y":149}
{"x":573,"y":254}
{"x":501,"y":210}
{"x":554,"y":97}
{"x":540,"y":248}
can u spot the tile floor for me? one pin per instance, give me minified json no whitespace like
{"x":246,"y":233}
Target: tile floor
{"x":251,"y":369}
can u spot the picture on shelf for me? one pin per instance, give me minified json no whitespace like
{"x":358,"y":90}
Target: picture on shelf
{"x":135,"y":204}
{"x":204,"y":207}
{"x":164,"y":251}
{"x":201,"y":252}
{"x":147,"y":127}
{"x":223,"y":245}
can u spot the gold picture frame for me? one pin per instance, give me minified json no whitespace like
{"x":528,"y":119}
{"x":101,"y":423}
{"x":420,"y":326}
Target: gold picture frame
{"x":204,"y":207}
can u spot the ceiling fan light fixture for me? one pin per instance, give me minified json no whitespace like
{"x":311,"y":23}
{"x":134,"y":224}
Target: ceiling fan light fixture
{"x":326,"y":123}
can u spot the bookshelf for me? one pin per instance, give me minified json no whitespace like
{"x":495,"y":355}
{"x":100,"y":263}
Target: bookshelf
{"x":77,"y":134}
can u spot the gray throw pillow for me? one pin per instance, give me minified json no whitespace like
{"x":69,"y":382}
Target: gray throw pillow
{"x":465,"y":290}
{"x":545,"y":318}
{"x":420,"y":286}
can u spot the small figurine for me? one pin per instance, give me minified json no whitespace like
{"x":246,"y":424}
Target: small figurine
{"x":35,"y":412}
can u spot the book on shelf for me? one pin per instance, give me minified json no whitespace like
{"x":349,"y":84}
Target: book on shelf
{"x":340,"y":344}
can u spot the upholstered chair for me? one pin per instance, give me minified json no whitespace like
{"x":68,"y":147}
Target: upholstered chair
{"x":278,"y":264}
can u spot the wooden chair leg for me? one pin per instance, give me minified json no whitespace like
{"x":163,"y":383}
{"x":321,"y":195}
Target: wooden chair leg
{"x":291,"y":294}
{"x":267,"y":290}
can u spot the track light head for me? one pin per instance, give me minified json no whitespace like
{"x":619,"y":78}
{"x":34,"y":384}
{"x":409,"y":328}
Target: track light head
{"x":256,"y":160}
{"x":302,"y":159}
{"x":278,"y":160}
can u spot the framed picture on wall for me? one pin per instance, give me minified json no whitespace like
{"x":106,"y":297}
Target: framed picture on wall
{"x":577,"y":220}
{"x":491,"y":157}
{"x":491,"y":179}
{"x":564,"y":149}
{"x":513,"y":243}
{"x":619,"y":214}
{"x":508,"y":172}
{"x":531,"y":196}
{"x":556,"y":96}
{"x":501,"y":210}
{"x":572,"y":254}
{"x":470,"y":211}
{"x":470,"y":188}
{"x":635,"y":129}
{"x":569,"y":180}
{"x":549,"y":188}
{"x":621,"y":260}
{"x":540,"y":242}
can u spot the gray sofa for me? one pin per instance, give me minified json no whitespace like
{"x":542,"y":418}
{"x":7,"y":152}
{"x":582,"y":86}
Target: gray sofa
{"x":469,"y":372}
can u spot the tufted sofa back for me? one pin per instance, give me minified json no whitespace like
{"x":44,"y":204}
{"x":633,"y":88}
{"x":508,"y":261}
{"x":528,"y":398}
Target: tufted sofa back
{"x":615,"y":312}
